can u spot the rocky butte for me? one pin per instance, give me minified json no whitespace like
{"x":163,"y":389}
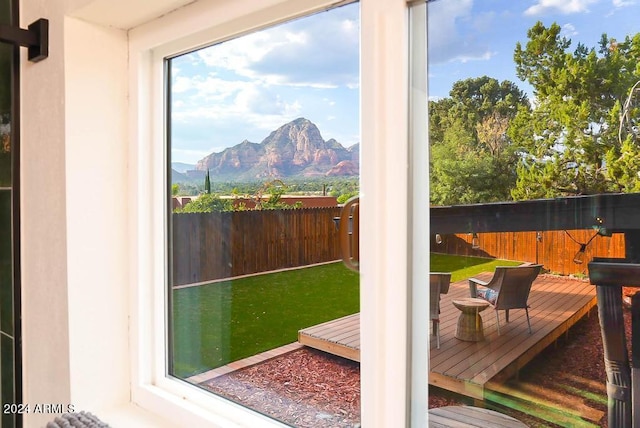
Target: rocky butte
{"x":296,"y":149}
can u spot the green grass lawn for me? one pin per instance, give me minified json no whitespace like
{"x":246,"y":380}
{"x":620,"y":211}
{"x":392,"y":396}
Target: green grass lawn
{"x":465,"y":267}
{"x":221,"y":322}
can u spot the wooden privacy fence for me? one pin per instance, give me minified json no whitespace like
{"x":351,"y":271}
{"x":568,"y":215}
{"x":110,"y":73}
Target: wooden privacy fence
{"x":555,"y":249}
{"x":209,"y":246}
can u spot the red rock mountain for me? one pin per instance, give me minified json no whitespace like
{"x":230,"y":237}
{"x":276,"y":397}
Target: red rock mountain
{"x":294,"y":149}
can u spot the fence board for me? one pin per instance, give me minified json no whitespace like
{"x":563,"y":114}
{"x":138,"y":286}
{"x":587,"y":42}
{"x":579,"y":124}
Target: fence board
{"x":209,"y":246}
{"x":555,"y":251}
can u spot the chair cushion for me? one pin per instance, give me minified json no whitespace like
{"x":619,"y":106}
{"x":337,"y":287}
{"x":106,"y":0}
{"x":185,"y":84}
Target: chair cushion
{"x":487,"y":294}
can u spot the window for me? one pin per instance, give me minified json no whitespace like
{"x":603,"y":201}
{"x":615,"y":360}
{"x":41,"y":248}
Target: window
{"x":263,"y":146}
{"x":384,"y":298}
{"x":533,"y":109}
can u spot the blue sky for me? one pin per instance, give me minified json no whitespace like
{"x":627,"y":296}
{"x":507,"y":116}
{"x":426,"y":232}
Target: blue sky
{"x":249,"y":86}
{"x":473,"y":38}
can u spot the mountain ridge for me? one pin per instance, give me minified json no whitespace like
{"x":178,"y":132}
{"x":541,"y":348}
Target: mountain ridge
{"x":295,"y":149}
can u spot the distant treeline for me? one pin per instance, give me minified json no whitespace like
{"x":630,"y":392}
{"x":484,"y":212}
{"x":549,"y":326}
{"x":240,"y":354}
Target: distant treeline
{"x":331,"y":186}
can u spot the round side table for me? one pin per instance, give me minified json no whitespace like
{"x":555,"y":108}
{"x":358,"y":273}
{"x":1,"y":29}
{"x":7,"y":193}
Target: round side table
{"x":470,"y":322}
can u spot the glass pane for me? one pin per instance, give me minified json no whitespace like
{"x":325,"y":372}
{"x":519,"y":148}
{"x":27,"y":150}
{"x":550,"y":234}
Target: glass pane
{"x":6,"y":52}
{"x":534,"y":159}
{"x":6,"y":264}
{"x":264,"y":148}
{"x":7,"y":361}
{"x":7,"y":333}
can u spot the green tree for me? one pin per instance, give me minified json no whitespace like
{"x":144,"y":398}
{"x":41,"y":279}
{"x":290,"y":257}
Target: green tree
{"x":275,"y":189}
{"x":570,"y":143}
{"x":472,"y":158}
{"x":346,"y":196}
{"x":207,"y":183}
{"x":207,"y":203}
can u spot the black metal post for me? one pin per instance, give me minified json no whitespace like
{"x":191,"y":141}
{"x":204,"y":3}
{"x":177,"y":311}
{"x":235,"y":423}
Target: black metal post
{"x":635,"y":358}
{"x":609,"y":275}
{"x":616,"y":361}
{"x":632,"y":245}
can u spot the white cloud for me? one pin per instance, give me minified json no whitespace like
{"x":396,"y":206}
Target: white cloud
{"x":181,"y":84}
{"x":622,"y":3}
{"x":568,"y":30}
{"x":559,"y":6}
{"x":618,"y":5}
{"x":202,"y":87}
{"x":262,"y":101}
{"x":320,"y":51}
{"x":190,"y":156}
{"x":487,"y":55}
{"x":248,"y":100}
{"x":327,"y":57}
{"x":454,"y":30}
{"x":238,"y":54}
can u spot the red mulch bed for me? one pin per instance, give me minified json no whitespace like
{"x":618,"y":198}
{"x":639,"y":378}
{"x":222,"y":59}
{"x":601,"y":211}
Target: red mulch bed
{"x":309,"y":388}
{"x":304,"y":388}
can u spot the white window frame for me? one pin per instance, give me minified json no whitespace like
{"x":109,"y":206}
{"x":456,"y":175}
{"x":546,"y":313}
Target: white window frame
{"x":418,"y":210}
{"x":386,"y":173}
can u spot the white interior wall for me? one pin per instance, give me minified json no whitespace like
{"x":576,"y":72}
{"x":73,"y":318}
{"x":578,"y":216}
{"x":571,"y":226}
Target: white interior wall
{"x":124,"y":14}
{"x":74,"y":210}
{"x":45,"y":328}
{"x":97,"y":211}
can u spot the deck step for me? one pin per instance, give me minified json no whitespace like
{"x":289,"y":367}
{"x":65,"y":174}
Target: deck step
{"x":338,"y":337}
{"x":565,"y":406}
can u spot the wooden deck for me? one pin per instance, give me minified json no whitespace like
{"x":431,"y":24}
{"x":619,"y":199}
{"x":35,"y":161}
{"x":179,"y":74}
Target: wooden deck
{"x":338,"y":337}
{"x":556,"y":303}
{"x":471,"y":368}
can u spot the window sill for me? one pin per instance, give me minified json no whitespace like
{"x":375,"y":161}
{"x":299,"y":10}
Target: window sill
{"x":130,"y":415}
{"x":175,"y":404}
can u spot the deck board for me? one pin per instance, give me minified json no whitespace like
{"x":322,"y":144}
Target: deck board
{"x":339,"y":337}
{"x":469,"y":368}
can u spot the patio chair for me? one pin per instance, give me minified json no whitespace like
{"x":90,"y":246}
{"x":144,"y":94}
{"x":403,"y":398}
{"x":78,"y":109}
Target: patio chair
{"x":508,"y":289}
{"x":439,"y":284}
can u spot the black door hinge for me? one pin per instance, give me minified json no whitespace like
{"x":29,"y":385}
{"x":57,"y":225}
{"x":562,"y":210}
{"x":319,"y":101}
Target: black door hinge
{"x":35,"y":38}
